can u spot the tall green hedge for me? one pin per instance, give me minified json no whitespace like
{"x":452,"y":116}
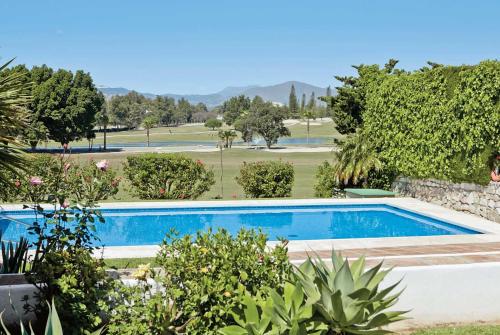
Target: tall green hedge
{"x":442,"y":122}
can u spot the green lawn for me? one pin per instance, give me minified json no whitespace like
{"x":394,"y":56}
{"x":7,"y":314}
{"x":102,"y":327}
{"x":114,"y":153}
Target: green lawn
{"x":196,"y":133}
{"x":305,"y":165}
{"x":465,"y":330}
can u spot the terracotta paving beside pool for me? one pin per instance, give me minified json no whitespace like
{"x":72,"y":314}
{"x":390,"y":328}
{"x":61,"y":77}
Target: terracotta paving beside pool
{"x":417,"y":255}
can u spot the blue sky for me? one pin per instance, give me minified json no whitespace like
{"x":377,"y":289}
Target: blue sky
{"x":173,"y":46}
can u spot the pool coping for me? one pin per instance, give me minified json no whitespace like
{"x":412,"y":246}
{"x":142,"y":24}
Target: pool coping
{"x":490,"y":230}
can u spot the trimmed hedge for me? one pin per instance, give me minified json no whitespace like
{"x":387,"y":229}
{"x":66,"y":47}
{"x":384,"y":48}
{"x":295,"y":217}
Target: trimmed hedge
{"x":167,"y":176}
{"x":441,"y":122}
{"x":269,"y":179}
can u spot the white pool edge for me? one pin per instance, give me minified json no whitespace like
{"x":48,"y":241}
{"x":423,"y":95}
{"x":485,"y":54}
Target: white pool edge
{"x":490,"y":230}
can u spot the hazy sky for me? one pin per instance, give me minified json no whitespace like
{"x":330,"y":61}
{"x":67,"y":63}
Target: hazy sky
{"x":170,"y":46}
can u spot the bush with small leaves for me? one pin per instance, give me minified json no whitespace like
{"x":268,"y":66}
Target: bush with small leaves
{"x":266,"y":179}
{"x":168,"y":176}
{"x":210,"y":270}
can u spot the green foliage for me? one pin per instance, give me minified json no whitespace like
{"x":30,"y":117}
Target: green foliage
{"x":143,"y":311}
{"x":84,"y":184}
{"x":52,"y":327}
{"x":168,"y":176}
{"x":266,"y":179}
{"x":326,"y":181}
{"x":14,"y":255}
{"x":266,"y":120}
{"x":355,"y":160}
{"x":323,"y":300}
{"x":243,"y":125}
{"x":437,"y":122}
{"x":293,"y":104}
{"x":346,"y":298}
{"x":213,"y":123}
{"x":13,"y":100}
{"x":348,"y":105}
{"x":210,"y":270}
{"x":233,"y":108}
{"x":381,"y":179}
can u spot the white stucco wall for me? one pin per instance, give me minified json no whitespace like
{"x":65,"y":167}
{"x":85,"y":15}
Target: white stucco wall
{"x":465,"y":293}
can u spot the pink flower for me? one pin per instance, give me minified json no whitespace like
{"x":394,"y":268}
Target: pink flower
{"x":162,"y":191}
{"x":35,"y":181}
{"x":17,"y":183}
{"x":65,"y":204}
{"x":199,"y":162}
{"x":102,"y":165}
{"x":67,"y":166}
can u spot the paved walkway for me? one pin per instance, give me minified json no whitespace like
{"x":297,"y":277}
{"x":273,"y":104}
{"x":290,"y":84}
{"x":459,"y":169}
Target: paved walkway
{"x":417,"y":255}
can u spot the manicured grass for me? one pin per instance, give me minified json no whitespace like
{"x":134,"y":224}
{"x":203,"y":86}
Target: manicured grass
{"x":196,"y":132}
{"x":128,"y":263}
{"x":465,"y":330}
{"x":305,"y":165}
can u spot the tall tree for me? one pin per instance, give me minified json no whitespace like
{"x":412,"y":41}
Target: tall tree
{"x":67,"y":105}
{"x":148,"y":123}
{"x":102,"y":120}
{"x":267,"y":121}
{"x":347,"y":106}
{"x":312,"y":102}
{"x":128,"y":110}
{"x":234,"y":107}
{"x":292,"y":102}
{"x":303,"y":103}
{"x":328,"y":91}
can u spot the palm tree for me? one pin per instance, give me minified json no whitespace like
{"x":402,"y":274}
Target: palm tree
{"x":308,"y":115}
{"x":227,"y":137}
{"x":148,"y":123}
{"x":13,"y":118}
{"x":355,"y":160}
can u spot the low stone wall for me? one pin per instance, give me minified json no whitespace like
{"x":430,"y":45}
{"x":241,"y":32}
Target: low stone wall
{"x":476,"y":199}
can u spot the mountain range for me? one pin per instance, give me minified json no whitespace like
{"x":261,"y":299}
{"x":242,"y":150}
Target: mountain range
{"x":276,"y":93}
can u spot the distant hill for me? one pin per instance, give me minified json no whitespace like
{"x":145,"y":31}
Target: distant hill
{"x":276,"y":93}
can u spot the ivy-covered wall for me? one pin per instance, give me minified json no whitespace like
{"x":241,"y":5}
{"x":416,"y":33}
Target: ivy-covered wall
{"x":441,"y":122}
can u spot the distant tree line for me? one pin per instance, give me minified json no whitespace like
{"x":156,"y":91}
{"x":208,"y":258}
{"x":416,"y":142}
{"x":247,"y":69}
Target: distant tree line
{"x":130,"y":110}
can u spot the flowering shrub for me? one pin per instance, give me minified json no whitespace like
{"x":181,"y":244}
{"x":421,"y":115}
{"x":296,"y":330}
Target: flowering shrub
{"x":210,"y":270}
{"x":270,"y":179}
{"x":48,"y":175}
{"x":168,"y":176}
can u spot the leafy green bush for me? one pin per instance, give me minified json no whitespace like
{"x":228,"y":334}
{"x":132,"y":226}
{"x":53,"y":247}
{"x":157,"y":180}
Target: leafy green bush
{"x":326,"y":182}
{"x":60,"y":174}
{"x":209,"y":271}
{"x":322,"y":300}
{"x":168,"y":176}
{"x":267,"y":179}
{"x":423,"y":123}
{"x":143,"y":310}
{"x":382,"y":179}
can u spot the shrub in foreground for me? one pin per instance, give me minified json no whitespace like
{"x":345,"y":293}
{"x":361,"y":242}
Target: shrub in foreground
{"x":267,"y":179}
{"x":168,"y":176}
{"x":323,"y":300}
{"x":210,"y":270}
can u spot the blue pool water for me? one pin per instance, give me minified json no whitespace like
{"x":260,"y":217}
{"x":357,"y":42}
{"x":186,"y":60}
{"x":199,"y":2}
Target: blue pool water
{"x":149,"y":226}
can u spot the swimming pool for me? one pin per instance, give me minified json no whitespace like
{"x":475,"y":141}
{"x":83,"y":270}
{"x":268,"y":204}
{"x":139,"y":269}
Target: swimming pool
{"x":148,"y":226}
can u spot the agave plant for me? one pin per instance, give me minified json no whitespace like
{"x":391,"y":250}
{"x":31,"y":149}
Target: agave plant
{"x":52,"y":327}
{"x":355,"y":160}
{"x":13,"y":100}
{"x":14,"y":255}
{"x":346,"y":298}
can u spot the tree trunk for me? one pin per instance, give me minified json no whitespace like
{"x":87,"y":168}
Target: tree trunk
{"x":307,"y":130}
{"x":105,"y":133}
{"x":147,"y":132}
